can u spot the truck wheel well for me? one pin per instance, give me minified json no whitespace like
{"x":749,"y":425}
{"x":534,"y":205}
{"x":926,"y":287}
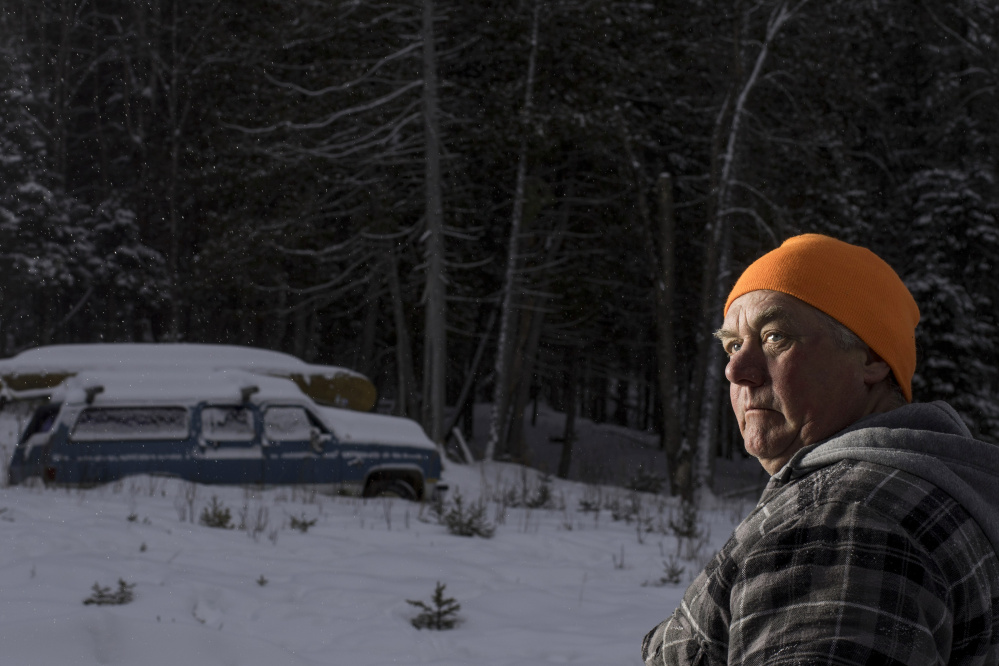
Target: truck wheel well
{"x":382,"y":478}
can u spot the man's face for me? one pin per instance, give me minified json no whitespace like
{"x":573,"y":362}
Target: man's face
{"x":791,"y":383}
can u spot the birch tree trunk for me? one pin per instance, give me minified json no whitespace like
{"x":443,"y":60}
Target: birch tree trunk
{"x":435,"y":342}
{"x":706,"y":380}
{"x":499,"y":421}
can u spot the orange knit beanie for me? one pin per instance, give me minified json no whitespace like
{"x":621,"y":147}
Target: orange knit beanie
{"x":852,"y":285}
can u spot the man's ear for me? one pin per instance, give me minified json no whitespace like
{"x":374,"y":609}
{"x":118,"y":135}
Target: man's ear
{"x":876,"y":369}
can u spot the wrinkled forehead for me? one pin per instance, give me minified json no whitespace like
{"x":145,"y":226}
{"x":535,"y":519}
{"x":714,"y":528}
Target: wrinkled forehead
{"x":755,"y":309}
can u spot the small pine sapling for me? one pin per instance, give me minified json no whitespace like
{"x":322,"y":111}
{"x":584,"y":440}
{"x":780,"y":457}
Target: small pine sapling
{"x":302,"y":524}
{"x":216,"y":515}
{"x":103,"y":596}
{"x":467,"y":522}
{"x":442,"y":614}
{"x":672,"y":572}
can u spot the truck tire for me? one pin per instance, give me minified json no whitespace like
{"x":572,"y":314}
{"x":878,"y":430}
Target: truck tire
{"x":392,"y":488}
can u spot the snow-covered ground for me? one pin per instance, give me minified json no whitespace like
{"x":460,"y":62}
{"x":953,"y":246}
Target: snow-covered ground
{"x":555,"y":585}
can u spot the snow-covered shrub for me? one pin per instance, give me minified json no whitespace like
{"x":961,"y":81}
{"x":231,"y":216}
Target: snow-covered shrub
{"x":256,"y":525}
{"x":685,"y":526}
{"x":592,"y":499}
{"x":646,"y":482}
{"x":541,"y":498}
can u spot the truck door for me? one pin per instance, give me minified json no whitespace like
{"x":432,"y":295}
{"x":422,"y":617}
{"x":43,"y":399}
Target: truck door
{"x":297,"y":447}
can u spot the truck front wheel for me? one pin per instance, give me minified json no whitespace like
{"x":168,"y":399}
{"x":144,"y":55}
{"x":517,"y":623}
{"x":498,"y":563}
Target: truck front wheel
{"x":392,"y":488}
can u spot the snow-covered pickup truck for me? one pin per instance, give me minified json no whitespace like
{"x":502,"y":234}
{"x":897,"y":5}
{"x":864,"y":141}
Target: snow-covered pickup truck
{"x":229,"y":427}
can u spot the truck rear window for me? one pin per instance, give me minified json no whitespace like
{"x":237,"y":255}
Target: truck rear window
{"x":102,"y":423}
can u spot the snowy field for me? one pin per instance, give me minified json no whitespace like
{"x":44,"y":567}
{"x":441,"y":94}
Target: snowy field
{"x":575,"y":581}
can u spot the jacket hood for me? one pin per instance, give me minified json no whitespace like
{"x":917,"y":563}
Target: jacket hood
{"x":928,"y":440}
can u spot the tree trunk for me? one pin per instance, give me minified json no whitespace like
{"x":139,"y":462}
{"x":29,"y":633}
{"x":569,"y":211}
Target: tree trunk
{"x":466,"y":399}
{"x":665,"y":335}
{"x":63,"y":80}
{"x":174,"y":214}
{"x":622,"y":387}
{"x":516,"y":445}
{"x":406,"y":403}
{"x":504,"y":379}
{"x":569,"y":434}
{"x":707,"y":432}
{"x":532,"y":324}
{"x":366,"y":351}
{"x":435,"y":342}
{"x":660,"y":234}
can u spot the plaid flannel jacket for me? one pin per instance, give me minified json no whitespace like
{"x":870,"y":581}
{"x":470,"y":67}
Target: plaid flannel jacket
{"x":855,"y":563}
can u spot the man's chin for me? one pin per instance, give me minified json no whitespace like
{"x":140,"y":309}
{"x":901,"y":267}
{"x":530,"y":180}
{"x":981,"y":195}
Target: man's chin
{"x":771,"y":454}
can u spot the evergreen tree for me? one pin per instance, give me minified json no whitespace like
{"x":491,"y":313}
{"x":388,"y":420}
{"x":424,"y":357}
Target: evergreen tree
{"x":954,"y":244}
{"x":44,"y":245}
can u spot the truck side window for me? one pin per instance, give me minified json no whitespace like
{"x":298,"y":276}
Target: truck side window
{"x":287,"y":424}
{"x":124,"y":423}
{"x":227,"y":424}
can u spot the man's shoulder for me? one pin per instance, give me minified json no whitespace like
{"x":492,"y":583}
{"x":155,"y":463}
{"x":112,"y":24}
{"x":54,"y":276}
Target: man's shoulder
{"x":923,"y":448}
{"x":881,"y":488}
{"x":874,"y":498}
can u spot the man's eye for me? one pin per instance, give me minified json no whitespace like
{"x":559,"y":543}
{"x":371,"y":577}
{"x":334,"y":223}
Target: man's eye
{"x":773,"y":336}
{"x":733,"y":347}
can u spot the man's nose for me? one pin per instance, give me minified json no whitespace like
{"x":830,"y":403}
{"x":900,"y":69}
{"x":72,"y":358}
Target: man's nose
{"x":746,"y":367}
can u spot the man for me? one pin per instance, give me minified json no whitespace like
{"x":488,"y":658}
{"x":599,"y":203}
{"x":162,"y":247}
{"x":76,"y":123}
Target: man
{"x":875,"y":540}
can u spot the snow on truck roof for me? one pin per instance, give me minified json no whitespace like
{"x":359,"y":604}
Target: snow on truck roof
{"x":228,"y":387}
{"x":43,"y":368}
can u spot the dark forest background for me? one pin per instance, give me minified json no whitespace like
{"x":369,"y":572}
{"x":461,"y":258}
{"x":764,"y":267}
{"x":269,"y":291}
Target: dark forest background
{"x":503,"y":201}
